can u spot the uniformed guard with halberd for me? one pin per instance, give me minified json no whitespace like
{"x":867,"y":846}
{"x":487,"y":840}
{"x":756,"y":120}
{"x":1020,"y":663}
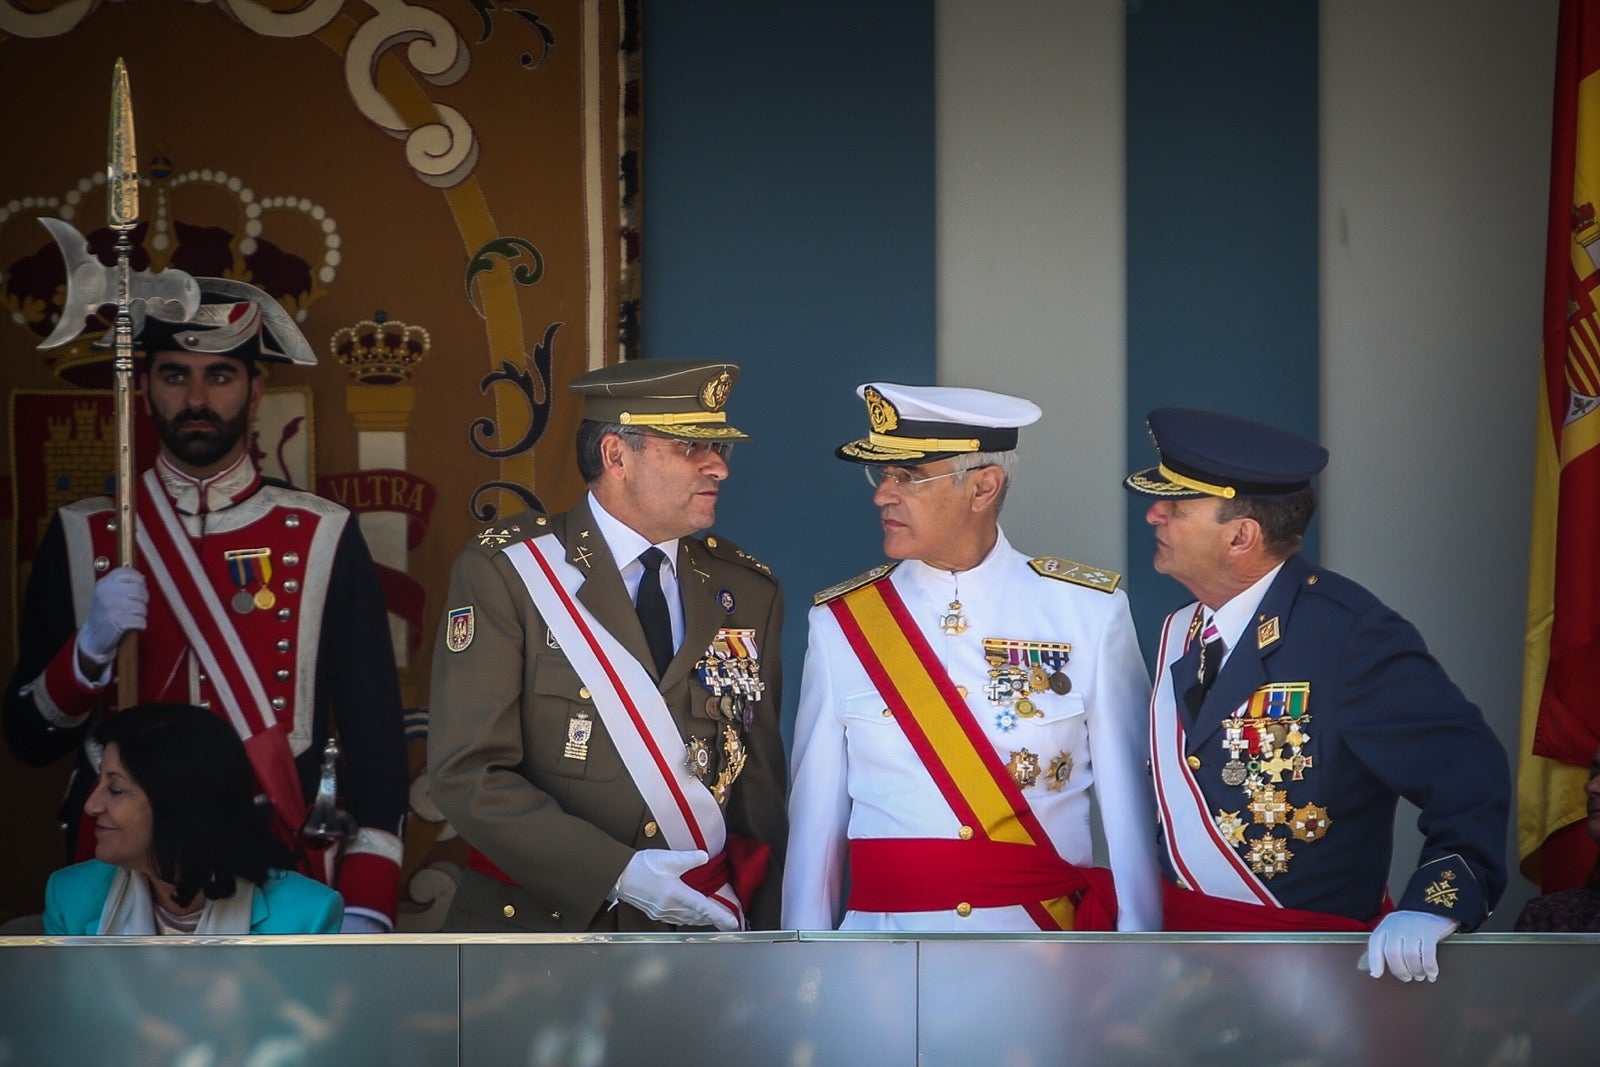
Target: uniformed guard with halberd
{"x":1293,"y":710}
{"x":606,"y":687}
{"x":949,"y":704}
{"x":252,"y":598}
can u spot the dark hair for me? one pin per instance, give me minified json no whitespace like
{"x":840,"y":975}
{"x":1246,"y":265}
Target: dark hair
{"x":587,"y":447}
{"x":206,"y":827}
{"x":1283,"y":519}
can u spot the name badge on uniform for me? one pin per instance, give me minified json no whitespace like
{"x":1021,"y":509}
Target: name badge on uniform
{"x":579,"y":729}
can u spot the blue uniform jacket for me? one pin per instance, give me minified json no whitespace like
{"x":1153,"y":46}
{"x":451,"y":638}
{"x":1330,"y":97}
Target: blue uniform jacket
{"x":288,"y":903}
{"x":1386,"y":722}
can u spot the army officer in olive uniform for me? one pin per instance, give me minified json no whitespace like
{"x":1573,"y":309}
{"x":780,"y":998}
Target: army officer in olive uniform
{"x":606,"y":687}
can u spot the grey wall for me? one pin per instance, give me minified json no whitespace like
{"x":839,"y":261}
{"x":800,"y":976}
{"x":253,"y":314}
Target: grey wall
{"x":1435,"y":172}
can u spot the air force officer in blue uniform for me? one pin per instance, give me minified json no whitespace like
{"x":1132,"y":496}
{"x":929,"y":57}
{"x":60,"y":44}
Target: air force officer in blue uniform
{"x":1292,"y":711}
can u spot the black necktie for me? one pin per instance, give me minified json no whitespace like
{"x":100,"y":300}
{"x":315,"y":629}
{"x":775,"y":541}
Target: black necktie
{"x":651,"y":605}
{"x":1211,"y":653}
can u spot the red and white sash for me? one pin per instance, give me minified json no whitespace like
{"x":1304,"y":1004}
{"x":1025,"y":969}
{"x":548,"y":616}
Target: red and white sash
{"x":1200,"y":854}
{"x":216,"y":643}
{"x":625,"y":695}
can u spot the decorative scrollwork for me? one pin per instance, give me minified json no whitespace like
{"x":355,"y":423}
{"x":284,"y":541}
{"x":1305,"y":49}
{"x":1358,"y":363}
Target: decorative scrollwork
{"x":510,"y":249}
{"x":530,"y":61}
{"x":38,"y":24}
{"x":442,"y":153}
{"x":484,"y":511}
{"x":534,"y":386}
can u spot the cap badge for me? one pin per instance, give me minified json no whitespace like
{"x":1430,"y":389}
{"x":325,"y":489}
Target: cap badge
{"x":714,"y":394}
{"x":880,"y":411}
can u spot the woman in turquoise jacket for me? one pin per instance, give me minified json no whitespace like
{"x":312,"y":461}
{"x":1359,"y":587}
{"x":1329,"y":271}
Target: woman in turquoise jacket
{"x":181,"y":847}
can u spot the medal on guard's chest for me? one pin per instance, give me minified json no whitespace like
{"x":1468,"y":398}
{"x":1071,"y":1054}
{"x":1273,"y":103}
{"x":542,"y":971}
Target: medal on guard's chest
{"x":250,"y":567}
{"x":580,"y":728}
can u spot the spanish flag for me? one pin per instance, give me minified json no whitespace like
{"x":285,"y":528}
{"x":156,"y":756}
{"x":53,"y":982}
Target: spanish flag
{"x":1561,"y":675}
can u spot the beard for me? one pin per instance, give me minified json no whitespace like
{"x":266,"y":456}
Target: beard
{"x":200,"y":449}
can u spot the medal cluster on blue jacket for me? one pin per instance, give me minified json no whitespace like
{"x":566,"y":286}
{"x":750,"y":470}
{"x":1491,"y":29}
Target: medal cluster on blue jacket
{"x":1266,"y":738}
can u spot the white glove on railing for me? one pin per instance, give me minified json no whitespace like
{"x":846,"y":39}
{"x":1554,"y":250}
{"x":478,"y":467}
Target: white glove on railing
{"x":653,"y":882}
{"x":120,"y":604}
{"x":1408,"y":941}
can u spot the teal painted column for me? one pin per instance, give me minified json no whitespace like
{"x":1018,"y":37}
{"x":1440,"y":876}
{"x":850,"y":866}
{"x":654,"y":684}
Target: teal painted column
{"x":1222,"y":232}
{"x":788,"y":225}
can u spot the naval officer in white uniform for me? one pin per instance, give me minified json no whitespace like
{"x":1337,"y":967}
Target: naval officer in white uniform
{"x":957,"y":705}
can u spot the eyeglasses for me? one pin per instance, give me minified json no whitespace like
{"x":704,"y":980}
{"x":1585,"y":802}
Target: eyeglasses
{"x":901,"y":478}
{"x":698,"y":451}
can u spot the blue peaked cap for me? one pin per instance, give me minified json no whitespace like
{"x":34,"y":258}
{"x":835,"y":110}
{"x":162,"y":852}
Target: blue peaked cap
{"x":1207,"y":453}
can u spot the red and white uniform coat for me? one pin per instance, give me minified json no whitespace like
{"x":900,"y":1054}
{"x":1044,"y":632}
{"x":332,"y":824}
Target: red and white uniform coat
{"x":322,"y":651}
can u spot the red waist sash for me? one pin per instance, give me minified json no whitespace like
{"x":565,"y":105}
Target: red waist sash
{"x":1187,"y":910}
{"x":742,"y":864}
{"x":923,"y":874}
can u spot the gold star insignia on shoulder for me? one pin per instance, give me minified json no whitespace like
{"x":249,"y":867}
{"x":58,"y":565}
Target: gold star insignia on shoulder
{"x":756,"y":563}
{"x":850,"y":585}
{"x":495,"y":538}
{"x":723,"y":548}
{"x":1065,"y":570}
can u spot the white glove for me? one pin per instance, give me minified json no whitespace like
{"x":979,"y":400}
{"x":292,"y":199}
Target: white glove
{"x":120,"y":604}
{"x":653,"y":882}
{"x":357,"y":923}
{"x":1408,"y":941}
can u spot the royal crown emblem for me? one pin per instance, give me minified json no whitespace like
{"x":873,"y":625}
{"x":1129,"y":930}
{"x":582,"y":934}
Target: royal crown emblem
{"x":882,"y":413}
{"x":380,"y":351}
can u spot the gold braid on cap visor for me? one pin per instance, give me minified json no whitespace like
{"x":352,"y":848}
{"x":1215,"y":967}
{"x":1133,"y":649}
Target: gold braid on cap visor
{"x":672,"y":418}
{"x":1227,"y":492}
{"x":925,"y":444}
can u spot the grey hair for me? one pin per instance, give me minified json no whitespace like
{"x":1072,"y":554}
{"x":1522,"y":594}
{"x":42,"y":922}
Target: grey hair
{"x":587,"y":448}
{"x":1006,"y":461}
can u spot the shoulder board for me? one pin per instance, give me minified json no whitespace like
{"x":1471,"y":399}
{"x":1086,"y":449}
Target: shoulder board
{"x":519,"y":527}
{"x":834,"y":592}
{"x":1064,"y":570}
{"x":723,"y":548}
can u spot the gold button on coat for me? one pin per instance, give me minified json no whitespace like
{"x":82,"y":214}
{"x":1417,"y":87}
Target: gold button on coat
{"x":510,"y":911}
{"x":965,"y":833}
{"x":1194,"y":763}
{"x":963,"y":909}
{"x":651,"y":829}
{"x":583,"y":694}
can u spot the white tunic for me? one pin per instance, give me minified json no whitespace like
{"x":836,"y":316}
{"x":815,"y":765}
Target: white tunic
{"x":857,"y":776}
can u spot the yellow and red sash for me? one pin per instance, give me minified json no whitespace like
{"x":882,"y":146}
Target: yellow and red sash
{"x":942,"y":730}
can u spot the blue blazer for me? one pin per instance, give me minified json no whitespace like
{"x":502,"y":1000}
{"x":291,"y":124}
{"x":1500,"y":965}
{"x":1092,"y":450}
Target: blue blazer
{"x":1386,"y":723}
{"x":289,"y":903}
